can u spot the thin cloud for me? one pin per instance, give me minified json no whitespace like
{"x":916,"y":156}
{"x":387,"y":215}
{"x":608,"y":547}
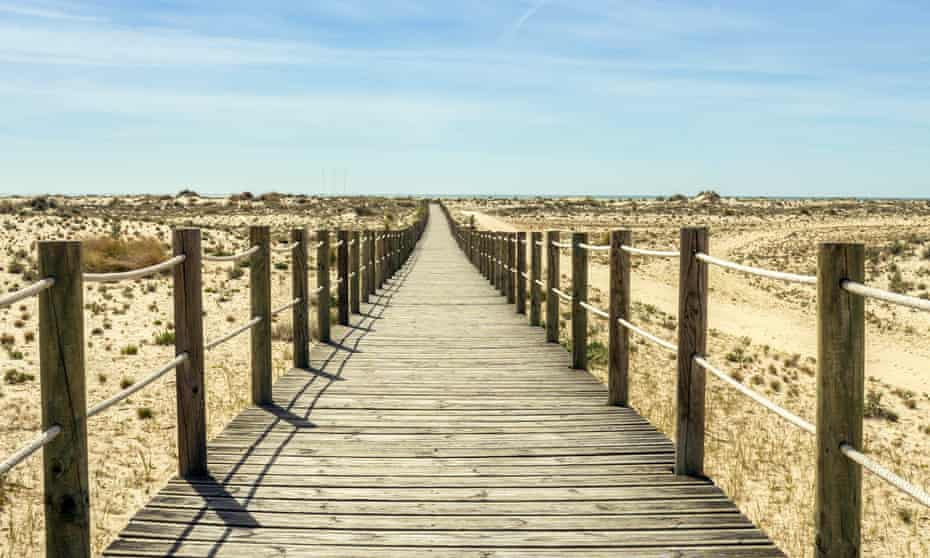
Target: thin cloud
{"x":521,"y":21}
{"x":43,"y":13}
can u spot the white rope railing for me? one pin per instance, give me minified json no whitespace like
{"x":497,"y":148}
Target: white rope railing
{"x":26,"y":292}
{"x":41,"y":440}
{"x":286,"y":247}
{"x":562,"y":295}
{"x":109,"y":402}
{"x":319,"y":245}
{"x":219,"y":341}
{"x":337,"y":244}
{"x":646,"y":335}
{"x":317,"y":290}
{"x":233,"y":257}
{"x":886,"y":475}
{"x":134,"y":274}
{"x":878,"y":294}
{"x":594,"y":310}
{"x":284,"y":307}
{"x":540,"y":243}
{"x":768,"y":404}
{"x":646,"y":252}
{"x":540,"y":283}
{"x":771,"y":274}
{"x":595,"y":247}
{"x":561,"y":244}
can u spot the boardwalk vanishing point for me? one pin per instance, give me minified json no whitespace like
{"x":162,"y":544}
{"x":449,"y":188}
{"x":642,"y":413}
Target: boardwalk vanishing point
{"x":438,"y":424}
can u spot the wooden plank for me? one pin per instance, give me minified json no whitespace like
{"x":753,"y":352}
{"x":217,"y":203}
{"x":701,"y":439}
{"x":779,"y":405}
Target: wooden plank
{"x":63,"y":393}
{"x":188,"y":339}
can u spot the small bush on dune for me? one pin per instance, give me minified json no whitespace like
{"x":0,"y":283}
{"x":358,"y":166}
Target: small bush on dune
{"x":107,"y":255}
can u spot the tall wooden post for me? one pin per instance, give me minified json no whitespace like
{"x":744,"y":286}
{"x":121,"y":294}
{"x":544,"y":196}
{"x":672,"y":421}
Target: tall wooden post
{"x":579,"y":295}
{"x":371,"y":270}
{"x":521,"y":272}
{"x":552,"y":282}
{"x":188,"y":338}
{"x":692,"y":341}
{"x":260,"y":292}
{"x":324,"y":285}
{"x":840,"y":394}
{"x":363,"y":270}
{"x":384,"y":257}
{"x":300,"y":290}
{"x":64,"y":404}
{"x":355,"y":274}
{"x":618,"y":387}
{"x":509,"y":275}
{"x":535,"y":275}
{"x":342,"y":275}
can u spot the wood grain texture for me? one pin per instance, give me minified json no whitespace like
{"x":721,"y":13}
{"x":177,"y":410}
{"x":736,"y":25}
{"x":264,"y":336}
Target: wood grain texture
{"x":535,"y":275}
{"x":521,"y":272}
{"x":342,"y":276}
{"x":323,"y":283}
{"x":260,"y":296}
{"x":355,"y":279}
{"x":300,"y":289}
{"x":438,"y":425}
{"x":618,"y":368}
{"x":840,"y":394}
{"x":579,"y":295}
{"x":63,"y":393}
{"x":552,"y":282}
{"x":692,"y":340}
{"x":188,"y":339}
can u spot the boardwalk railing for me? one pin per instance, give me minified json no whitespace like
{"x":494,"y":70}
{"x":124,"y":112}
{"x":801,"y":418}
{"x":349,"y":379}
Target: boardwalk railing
{"x":840,"y":339}
{"x":61,"y":346}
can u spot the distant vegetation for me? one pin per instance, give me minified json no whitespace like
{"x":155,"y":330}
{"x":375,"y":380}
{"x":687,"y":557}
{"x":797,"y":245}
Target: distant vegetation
{"x":106,"y":254}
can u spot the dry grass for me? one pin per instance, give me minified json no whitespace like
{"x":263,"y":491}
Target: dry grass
{"x":105,"y":254}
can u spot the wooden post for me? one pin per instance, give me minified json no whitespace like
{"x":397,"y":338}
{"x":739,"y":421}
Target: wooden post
{"x":342,"y":275}
{"x":372,"y":270}
{"x":579,"y":295}
{"x":64,"y":404}
{"x":363,"y":270}
{"x":618,"y":386}
{"x":521,"y":272}
{"x":510,"y":256}
{"x":535,"y":275}
{"x":188,"y":338}
{"x":260,"y":291}
{"x":323,"y":284}
{"x":354,"y":274}
{"x":300,"y":290}
{"x":840,"y":394}
{"x":501,"y":261}
{"x":384,"y":260}
{"x":552,"y":282}
{"x":692,"y":341}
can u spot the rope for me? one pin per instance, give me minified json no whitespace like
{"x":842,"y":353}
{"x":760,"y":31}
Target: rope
{"x":644,"y":252}
{"x":540,"y":243}
{"x":562,"y":295}
{"x":525,"y":276}
{"x":317,"y":290}
{"x":286,"y":248}
{"x":894,"y":298}
{"x":134,"y":274}
{"x":643,"y":333}
{"x":540,"y":283}
{"x":595,"y":247}
{"x":337,"y":244}
{"x":561,"y":245}
{"x":319,"y":245}
{"x":107,"y":403}
{"x":290,"y":304}
{"x":33,"y":289}
{"x":217,"y":342}
{"x":780,"y":275}
{"x":596,"y":311}
{"x":901,"y":484}
{"x":768,"y":404}
{"x":234,"y":257}
{"x":32,"y":446}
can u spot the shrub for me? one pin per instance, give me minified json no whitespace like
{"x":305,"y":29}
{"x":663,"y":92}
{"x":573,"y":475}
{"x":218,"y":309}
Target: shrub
{"x":145,"y":413}
{"x":165,"y":338}
{"x":107,"y":255}
{"x":129,"y":350}
{"x":14,"y":377}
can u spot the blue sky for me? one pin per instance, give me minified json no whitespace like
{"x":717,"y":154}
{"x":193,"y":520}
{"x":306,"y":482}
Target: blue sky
{"x":483,"y":96}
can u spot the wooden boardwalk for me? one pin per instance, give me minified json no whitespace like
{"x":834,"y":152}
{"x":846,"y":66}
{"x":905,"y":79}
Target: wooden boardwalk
{"x":440,"y":425}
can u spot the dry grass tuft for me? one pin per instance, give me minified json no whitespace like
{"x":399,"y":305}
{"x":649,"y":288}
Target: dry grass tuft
{"x":104,"y":254}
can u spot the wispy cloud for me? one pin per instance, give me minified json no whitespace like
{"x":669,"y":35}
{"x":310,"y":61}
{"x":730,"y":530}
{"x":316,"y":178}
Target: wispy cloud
{"x":517,"y":25}
{"x":43,"y":12}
